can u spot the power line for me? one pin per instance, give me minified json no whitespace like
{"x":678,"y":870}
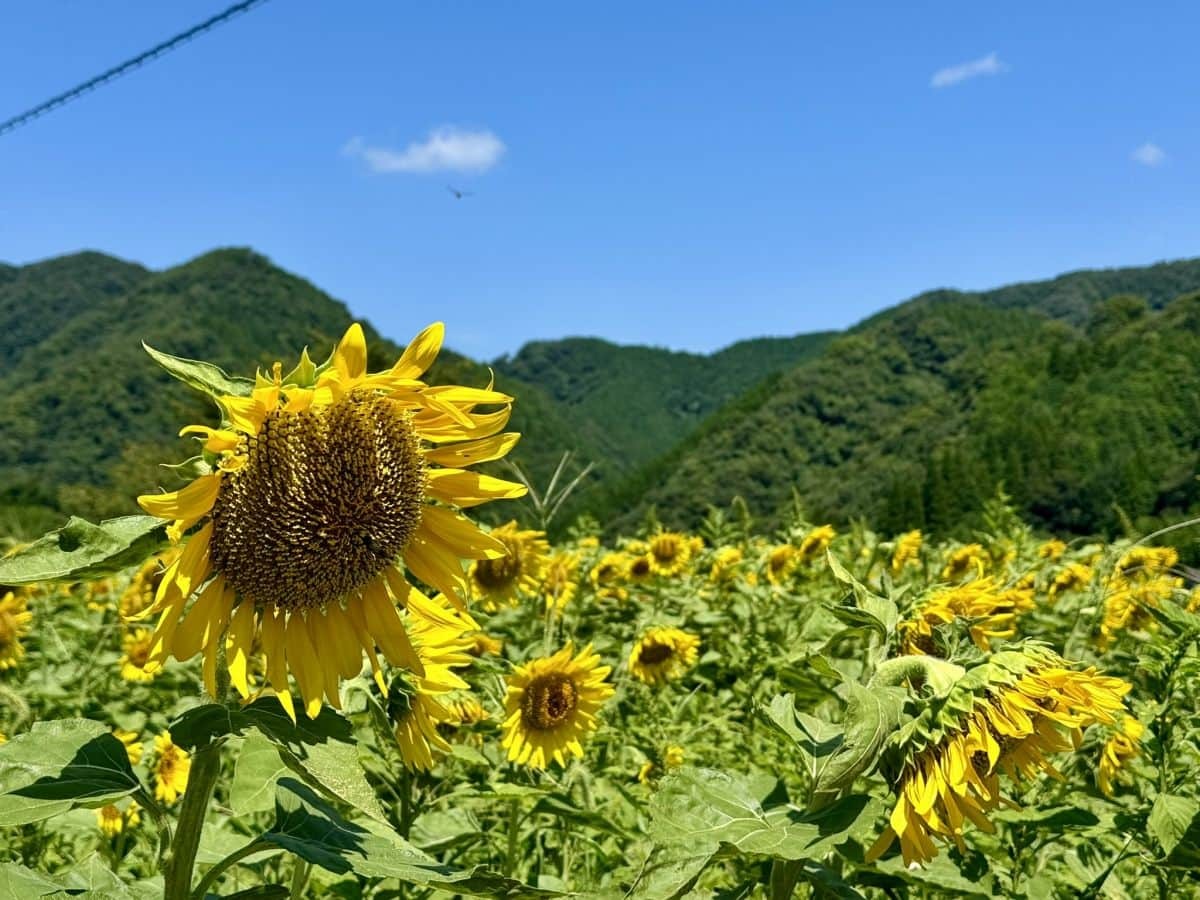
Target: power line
{"x":128,"y":66}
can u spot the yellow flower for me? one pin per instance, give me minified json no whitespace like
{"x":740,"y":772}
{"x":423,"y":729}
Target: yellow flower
{"x":1073,"y":576}
{"x":503,"y":580}
{"x":414,"y":703}
{"x":641,"y":569}
{"x":559,"y":583}
{"x":669,"y":553}
{"x":1009,"y":728}
{"x":1052,"y":549}
{"x":673,"y":757}
{"x":15,"y":620}
{"x":466,"y":711}
{"x":781,"y":562}
{"x":663,"y":654}
{"x":815,"y":543}
{"x":136,"y":645}
{"x":606,"y":575}
{"x":133,"y":747}
{"x":968,"y":560}
{"x":1142,"y":581}
{"x":171,"y":769}
{"x":112,"y":821}
{"x":590,"y":542}
{"x":551,"y":705}
{"x":98,"y":594}
{"x":645,"y":772}
{"x":1122,"y":746}
{"x":484,"y":645}
{"x":324,"y":482}
{"x":725,"y":564}
{"x":989,"y":611}
{"x":1148,"y":561}
{"x":907,"y":550}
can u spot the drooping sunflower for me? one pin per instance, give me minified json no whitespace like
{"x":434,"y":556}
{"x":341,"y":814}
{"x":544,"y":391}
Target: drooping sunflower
{"x":415,"y":702}
{"x":815,"y":543}
{"x":1053,"y":549}
{"x":607,"y":575}
{"x":1123,"y":745}
{"x":112,"y":820}
{"x":907,"y":550}
{"x":725,"y":563}
{"x":322,"y":485}
{"x":1004,"y":716}
{"x":989,"y":610}
{"x":136,"y":644}
{"x":1142,"y":581}
{"x":970,"y":559}
{"x":1072,"y":577}
{"x":780,"y":564}
{"x":171,"y":769}
{"x":551,"y":705}
{"x":502,"y":581}
{"x":15,"y":621}
{"x":560,"y":581}
{"x":669,"y":552}
{"x":663,"y":654}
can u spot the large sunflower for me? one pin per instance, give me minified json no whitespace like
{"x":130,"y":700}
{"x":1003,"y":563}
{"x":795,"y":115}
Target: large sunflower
{"x":501,"y":581}
{"x":322,"y":485}
{"x":551,"y":704}
{"x":663,"y":654}
{"x":669,"y":552}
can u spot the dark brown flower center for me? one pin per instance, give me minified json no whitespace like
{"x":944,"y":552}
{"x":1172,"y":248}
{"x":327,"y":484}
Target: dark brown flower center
{"x":640,"y":567}
{"x":665,"y":548}
{"x":497,"y":574}
{"x":548,"y":701}
{"x":326,"y":499}
{"x":651,"y":654}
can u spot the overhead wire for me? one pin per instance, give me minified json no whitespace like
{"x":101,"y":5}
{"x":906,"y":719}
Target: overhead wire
{"x":128,"y":66}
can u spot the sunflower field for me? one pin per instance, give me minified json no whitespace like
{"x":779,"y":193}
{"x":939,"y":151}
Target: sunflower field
{"x":308,"y":671}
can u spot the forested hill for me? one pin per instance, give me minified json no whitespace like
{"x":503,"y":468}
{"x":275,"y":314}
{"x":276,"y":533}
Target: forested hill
{"x":1082,"y":404}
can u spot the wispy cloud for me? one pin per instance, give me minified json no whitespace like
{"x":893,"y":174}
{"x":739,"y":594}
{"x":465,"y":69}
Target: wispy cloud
{"x":952,"y":75}
{"x":446,"y":149}
{"x":1149,"y":155}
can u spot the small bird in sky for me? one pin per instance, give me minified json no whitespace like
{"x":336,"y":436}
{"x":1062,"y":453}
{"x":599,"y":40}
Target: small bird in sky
{"x":458,"y":195}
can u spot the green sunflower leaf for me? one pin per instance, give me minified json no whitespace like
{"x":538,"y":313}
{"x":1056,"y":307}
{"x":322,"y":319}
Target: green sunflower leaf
{"x":871,"y":717}
{"x":201,"y":376}
{"x":312,"y":829}
{"x":83,"y":551}
{"x":20,"y":883}
{"x":1170,"y":818}
{"x":61,"y":764}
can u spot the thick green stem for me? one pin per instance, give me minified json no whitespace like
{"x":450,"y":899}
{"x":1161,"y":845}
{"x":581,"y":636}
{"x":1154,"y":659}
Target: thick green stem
{"x":514,"y":830}
{"x":937,"y":673}
{"x":202,"y":779}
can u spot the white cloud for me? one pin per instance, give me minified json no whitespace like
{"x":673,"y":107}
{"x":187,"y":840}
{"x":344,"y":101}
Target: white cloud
{"x":447,"y":149}
{"x":1149,"y":155}
{"x":952,"y":75}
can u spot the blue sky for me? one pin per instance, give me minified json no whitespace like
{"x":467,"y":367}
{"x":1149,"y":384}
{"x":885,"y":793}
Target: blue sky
{"x":681,"y":174}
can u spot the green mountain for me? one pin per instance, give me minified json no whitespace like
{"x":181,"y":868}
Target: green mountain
{"x":1083,"y":407}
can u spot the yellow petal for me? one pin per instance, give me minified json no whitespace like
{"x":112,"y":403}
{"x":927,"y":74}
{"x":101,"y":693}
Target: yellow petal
{"x":421,"y":352}
{"x":463,"y":488}
{"x":204,"y":621}
{"x":215,"y":439}
{"x":471,"y":452}
{"x":459,"y":535}
{"x":350,"y":358}
{"x":275,"y":658}
{"x":239,"y":647}
{"x":436,"y":567}
{"x":383,"y":623}
{"x":191,"y":502}
{"x":327,"y":665}
{"x":302,"y":660}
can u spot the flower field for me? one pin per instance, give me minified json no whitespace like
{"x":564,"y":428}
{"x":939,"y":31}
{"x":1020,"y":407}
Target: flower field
{"x":308,"y":671}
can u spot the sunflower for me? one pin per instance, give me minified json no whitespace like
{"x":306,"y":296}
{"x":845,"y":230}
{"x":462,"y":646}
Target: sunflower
{"x":672,"y":758}
{"x":1123,"y":745}
{"x":607,"y":574}
{"x":502,"y":580}
{"x":669,"y":552}
{"x":414,"y":702}
{"x":970,"y":559}
{"x":907,"y":550}
{"x":1053,"y":549}
{"x":551,"y":705}
{"x":815,"y":543}
{"x":725,"y":564}
{"x":171,"y":769}
{"x":133,"y":747}
{"x":560,"y":581}
{"x":1072,"y":577}
{"x":781,"y":562}
{"x":663,"y":654}
{"x":15,"y":620}
{"x":1141,"y":581}
{"x":1004,"y":716}
{"x":112,"y":820}
{"x":136,"y":645}
{"x":485,"y":645}
{"x":989,"y":611}
{"x":640,"y":570}
{"x":321,"y":486}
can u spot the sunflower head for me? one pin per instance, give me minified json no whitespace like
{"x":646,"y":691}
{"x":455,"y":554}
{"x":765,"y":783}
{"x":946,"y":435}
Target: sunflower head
{"x":608,"y":574}
{"x":906,"y":551}
{"x":1123,"y":745}
{"x":988,"y":611}
{"x":133,"y":746}
{"x":327,"y":486}
{"x":663,"y":654}
{"x":171,"y":768}
{"x":669,"y":552}
{"x":15,"y":621}
{"x":780,"y":563}
{"x":963,"y":562}
{"x":502,"y":581}
{"x":725,"y":564}
{"x":815,"y":543}
{"x":112,"y":820}
{"x":1052,"y":549}
{"x":560,"y":581}
{"x":551,"y":705}
{"x":136,"y":645}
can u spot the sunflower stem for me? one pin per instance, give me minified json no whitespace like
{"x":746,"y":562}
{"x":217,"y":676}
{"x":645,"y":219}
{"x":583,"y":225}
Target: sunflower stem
{"x":202,"y":779}
{"x":218,"y":869}
{"x":514,"y":826}
{"x":937,"y":674}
